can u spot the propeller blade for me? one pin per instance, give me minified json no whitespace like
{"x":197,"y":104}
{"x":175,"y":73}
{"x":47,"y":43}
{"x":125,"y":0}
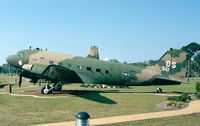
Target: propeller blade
{"x":20,"y":80}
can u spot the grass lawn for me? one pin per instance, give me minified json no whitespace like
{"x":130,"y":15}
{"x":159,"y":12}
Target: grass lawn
{"x":99,"y":103}
{"x":28,"y":110}
{"x":185,"y":120}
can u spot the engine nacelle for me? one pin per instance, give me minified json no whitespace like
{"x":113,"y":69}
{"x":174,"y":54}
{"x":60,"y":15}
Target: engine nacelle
{"x":35,"y":68}
{"x":27,"y":67}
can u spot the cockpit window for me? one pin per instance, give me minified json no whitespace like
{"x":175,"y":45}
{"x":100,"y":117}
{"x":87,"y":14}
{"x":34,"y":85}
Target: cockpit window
{"x":20,"y":54}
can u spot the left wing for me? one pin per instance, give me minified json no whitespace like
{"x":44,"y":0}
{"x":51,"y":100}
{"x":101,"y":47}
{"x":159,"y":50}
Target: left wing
{"x":60,"y":73}
{"x":51,"y":72}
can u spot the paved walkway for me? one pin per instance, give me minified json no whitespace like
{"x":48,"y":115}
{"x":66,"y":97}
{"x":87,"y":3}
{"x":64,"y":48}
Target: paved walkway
{"x":194,"y":107}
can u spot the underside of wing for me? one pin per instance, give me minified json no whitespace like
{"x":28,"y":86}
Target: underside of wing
{"x":62,"y":74}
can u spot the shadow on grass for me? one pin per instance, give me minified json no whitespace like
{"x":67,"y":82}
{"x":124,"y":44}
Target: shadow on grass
{"x":179,"y":92}
{"x":91,"y":95}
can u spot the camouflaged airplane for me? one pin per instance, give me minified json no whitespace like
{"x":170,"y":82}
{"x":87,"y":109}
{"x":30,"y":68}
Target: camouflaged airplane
{"x":60,"y":69}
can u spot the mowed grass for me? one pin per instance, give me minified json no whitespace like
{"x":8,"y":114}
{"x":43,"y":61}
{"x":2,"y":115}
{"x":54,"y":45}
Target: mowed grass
{"x":184,"y":120}
{"x":28,"y":110}
{"x":99,"y":103}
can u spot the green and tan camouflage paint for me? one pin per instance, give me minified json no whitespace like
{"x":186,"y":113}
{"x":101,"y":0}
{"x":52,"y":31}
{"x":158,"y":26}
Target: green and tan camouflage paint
{"x":171,"y":67}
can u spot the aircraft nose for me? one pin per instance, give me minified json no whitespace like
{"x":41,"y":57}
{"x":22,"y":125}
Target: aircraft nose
{"x":10,"y":59}
{"x":13,"y":60}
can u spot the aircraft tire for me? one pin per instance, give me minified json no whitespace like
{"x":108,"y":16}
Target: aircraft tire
{"x":45,"y":92}
{"x":159,"y":90}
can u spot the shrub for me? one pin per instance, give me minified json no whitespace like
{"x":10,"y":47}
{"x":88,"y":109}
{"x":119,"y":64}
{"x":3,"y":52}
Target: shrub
{"x":172,"y":98}
{"x":92,"y":85}
{"x":198,"y":95}
{"x":182,"y":98}
{"x":172,"y":104}
{"x":82,"y":85}
{"x":198,"y":86}
{"x":198,"y":90}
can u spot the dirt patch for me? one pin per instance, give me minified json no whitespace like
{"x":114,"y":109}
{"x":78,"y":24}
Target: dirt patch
{"x":163,"y":106}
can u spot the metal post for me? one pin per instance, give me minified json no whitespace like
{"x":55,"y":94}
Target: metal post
{"x":82,"y":119}
{"x":10,"y":88}
{"x":7,"y":89}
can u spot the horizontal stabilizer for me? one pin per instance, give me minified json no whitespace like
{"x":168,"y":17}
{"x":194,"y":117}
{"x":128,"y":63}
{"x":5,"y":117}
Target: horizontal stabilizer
{"x":166,"y":81}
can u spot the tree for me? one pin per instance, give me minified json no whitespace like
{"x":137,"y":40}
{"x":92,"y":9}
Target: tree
{"x":140,"y":64}
{"x":0,"y":69}
{"x":8,"y":69}
{"x":193,"y":50}
{"x":152,"y":62}
{"x":197,"y":61}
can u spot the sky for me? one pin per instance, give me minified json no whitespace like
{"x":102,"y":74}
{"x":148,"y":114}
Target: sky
{"x":127,"y":30}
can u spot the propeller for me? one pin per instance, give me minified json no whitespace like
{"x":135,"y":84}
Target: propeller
{"x":20,"y":80}
{"x":20,"y":77}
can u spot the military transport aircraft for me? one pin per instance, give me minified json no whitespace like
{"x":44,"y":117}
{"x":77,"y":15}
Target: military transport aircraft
{"x":60,"y":69}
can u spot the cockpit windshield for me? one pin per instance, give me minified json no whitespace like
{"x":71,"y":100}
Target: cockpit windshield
{"x":20,"y":54}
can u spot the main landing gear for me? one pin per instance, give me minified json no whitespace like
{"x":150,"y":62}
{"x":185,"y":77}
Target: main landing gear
{"x":57,"y":87}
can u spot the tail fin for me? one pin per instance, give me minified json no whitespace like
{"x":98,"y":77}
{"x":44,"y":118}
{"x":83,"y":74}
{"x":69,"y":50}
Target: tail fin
{"x":173,"y":63}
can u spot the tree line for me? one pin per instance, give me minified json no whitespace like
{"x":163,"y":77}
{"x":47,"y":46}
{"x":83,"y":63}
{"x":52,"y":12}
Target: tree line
{"x":5,"y":69}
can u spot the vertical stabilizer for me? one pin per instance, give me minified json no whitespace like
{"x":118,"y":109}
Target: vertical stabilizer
{"x":173,"y":63}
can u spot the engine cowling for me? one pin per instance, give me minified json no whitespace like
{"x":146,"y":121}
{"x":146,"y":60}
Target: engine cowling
{"x":35,"y":68}
{"x":27,"y":67}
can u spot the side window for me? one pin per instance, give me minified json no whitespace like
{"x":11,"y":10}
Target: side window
{"x":69,"y":65}
{"x":60,"y":63}
{"x":34,"y":59}
{"x":107,"y":72}
{"x":20,"y":54}
{"x":51,"y":62}
{"x":79,"y":67}
{"x":98,"y":70}
{"x":89,"y":69}
{"x":42,"y":58}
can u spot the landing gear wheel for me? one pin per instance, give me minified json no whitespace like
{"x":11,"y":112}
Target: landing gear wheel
{"x":46,"y":90}
{"x":159,"y":90}
{"x":57,"y":87}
